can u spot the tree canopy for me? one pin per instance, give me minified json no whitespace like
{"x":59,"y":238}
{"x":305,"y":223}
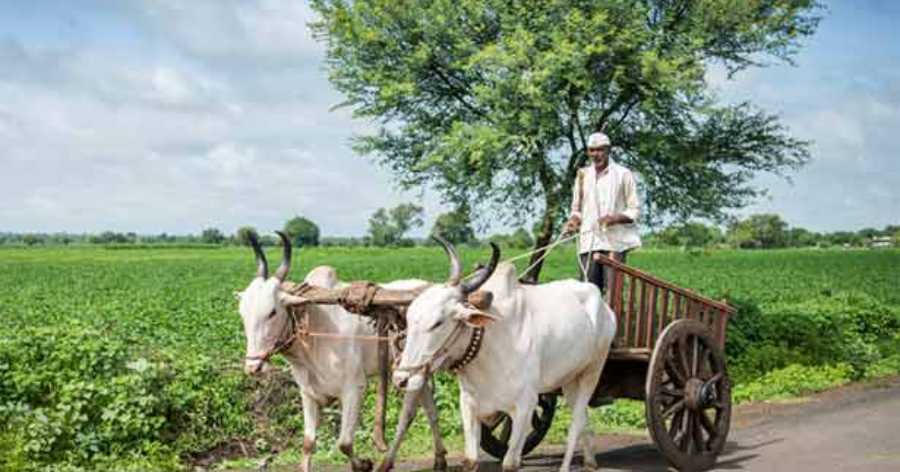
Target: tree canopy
{"x":454,"y":226}
{"x":302,"y":231}
{"x":759,"y":231}
{"x":244,"y":233}
{"x":490,"y":101}
{"x":388,"y":227}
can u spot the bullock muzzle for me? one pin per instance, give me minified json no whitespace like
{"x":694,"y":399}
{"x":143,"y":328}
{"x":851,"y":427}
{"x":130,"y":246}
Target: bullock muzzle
{"x":409,"y":381}
{"x":256,"y":367}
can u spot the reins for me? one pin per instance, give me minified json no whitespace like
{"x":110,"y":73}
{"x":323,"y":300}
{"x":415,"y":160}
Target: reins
{"x":546,"y":248}
{"x":474,"y":346}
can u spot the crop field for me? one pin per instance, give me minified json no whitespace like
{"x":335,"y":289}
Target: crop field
{"x":130,"y":359}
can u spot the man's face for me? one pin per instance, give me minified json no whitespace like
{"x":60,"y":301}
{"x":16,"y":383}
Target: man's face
{"x":599,"y":155}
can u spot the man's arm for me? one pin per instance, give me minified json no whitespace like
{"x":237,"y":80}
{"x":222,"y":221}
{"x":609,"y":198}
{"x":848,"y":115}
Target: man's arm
{"x":575,"y":210}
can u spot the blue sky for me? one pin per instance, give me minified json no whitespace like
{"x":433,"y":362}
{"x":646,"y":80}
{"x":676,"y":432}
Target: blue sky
{"x":168,"y":115}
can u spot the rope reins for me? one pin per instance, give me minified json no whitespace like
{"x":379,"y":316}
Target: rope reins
{"x":296,"y":331}
{"x":563,"y":237}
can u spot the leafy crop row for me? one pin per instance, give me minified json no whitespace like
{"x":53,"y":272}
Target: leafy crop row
{"x":130,"y":360}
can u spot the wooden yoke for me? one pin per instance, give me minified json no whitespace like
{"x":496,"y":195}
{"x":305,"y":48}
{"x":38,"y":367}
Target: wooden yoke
{"x":360,"y":297}
{"x":386,"y":307}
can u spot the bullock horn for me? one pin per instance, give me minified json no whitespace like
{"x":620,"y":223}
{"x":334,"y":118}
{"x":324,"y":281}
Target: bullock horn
{"x":483,"y":274}
{"x":285,"y":266}
{"x":455,"y":265}
{"x":262,"y":267}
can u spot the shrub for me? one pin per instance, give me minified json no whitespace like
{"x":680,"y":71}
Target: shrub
{"x":792,"y":380}
{"x":74,"y":399}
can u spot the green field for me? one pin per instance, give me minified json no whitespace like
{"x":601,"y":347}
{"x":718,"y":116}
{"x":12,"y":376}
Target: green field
{"x":116,"y":359}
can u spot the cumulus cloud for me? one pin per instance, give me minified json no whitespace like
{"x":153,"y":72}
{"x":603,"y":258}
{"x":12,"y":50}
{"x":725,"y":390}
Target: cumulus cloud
{"x":217,"y":114}
{"x":170,"y":115}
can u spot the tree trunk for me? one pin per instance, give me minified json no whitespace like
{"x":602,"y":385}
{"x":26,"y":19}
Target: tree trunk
{"x":548,"y":223}
{"x":542,"y":239}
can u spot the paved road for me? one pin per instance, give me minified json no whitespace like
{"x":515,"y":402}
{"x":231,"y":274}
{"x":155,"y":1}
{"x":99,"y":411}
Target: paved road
{"x":850,"y":429}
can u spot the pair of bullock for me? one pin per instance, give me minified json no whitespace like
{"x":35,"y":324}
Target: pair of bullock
{"x":535,"y":339}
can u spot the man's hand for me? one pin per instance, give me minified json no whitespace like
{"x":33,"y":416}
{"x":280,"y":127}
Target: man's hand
{"x":572,"y":225}
{"x":607,"y":220}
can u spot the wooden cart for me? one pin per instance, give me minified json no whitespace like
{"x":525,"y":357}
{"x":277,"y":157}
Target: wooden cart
{"x":669,"y":353}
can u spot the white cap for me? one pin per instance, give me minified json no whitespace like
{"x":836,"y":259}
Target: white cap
{"x":597,"y":140}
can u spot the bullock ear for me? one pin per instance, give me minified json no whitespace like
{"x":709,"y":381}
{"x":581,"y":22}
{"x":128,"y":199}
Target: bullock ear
{"x":480,"y":299}
{"x":292,"y":300}
{"x":474,"y":317}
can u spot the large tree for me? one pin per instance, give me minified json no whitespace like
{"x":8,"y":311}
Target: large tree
{"x":759,"y":231}
{"x":454,"y":226}
{"x":490,"y":101}
{"x":302,"y":231}
{"x":388,"y":227}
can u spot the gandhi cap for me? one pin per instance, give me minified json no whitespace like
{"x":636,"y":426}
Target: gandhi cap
{"x":598,"y":140}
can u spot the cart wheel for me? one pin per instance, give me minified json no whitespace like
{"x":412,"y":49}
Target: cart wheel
{"x":495,"y":436}
{"x":688,"y":396}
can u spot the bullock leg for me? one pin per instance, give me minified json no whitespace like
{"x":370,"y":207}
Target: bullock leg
{"x":471,"y":431}
{"x":521,"y":419}
{"x":350,"y":404}
{"x":440,"y":452}
{"x":578,"y":394}
{"x":407,"y":414}
{"x":383,"y":383}
{"x":310,"y":423}
{"x":411,"y":401}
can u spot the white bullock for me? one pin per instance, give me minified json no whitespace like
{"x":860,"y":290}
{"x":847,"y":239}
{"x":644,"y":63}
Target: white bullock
{"x":325,"y":368}
{"x":536,"y":339}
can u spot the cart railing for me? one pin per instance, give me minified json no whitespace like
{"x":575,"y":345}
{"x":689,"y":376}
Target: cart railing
{"x":645,"y":305}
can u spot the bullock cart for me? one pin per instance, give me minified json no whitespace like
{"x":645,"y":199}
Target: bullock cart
{"x":669,"y":353}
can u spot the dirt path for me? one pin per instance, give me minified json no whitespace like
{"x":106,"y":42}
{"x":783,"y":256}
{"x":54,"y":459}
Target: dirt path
{"x":856,"y":428}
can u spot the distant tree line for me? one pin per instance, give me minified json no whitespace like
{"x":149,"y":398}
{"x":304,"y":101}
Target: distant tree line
{"x":390,"y":227}
{"x":767,"y":231}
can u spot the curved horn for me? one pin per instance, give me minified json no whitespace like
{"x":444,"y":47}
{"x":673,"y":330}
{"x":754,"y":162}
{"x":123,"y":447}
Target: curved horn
{"x":262,"y":266}
{"x":455,"y":265}
{"x":285,"y":266}
{"x":484,"y":273}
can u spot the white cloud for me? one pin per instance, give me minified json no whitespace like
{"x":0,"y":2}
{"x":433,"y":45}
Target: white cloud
{"x":217,"y":113}
{"x":229,"y":30}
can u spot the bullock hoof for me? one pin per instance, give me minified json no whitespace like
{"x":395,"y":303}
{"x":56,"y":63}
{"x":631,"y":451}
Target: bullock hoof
{"x":380,"y":445}
{"x":469,"y":465}
{"x":386,"y":466}
{"x":361,"y":465}
{"x":440,"y":463}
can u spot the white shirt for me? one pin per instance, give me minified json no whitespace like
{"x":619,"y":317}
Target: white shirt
{"x":611,"y":192}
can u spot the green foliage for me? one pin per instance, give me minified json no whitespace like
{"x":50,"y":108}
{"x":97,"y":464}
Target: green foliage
{"x":455,"y":226}
{"x":845,"y":328}
{"x":73,"y":396}
{"x":490,"y":101}
{"x":387,"y":227}
{"x":763,"y":231}
{"x":151,"y":338}
{"x":212,"y":236}
{"x":689,"y":235}
{"x":519,"y":239}
{"x":243,"y":234}
{"x":302,"y":231}
{"x":791,"y":381}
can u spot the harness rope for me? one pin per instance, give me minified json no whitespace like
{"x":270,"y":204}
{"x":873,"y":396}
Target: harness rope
{"x":366,"y":294}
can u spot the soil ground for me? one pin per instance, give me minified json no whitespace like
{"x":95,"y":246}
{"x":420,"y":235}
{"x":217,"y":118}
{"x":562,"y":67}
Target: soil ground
{"x":854,"y":428}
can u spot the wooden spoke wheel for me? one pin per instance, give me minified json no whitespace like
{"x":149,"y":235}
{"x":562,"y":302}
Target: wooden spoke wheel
{"x":688,"y":396}
{"x":495,"y":436}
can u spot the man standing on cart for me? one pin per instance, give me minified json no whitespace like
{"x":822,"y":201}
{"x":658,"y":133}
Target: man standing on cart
{"x":605,"y":210}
